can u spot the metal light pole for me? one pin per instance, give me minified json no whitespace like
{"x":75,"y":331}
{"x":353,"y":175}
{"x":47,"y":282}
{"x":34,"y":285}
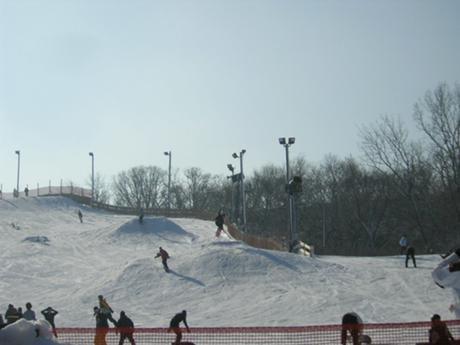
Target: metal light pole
{"x":169,"y":178}
{"x":19,"y":168}
{"x":232,"y":169}
{"x":92,"y":177}
{"x":286,"y":145}
{"x":243,"y":197}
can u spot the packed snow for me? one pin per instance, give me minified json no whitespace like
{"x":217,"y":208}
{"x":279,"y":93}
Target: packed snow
{"x":49,"y":258}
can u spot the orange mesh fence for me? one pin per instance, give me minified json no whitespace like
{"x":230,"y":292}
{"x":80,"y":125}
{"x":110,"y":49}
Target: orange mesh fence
{"x":381,"y":334}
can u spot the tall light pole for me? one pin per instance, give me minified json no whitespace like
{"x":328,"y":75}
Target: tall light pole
{"x":286,"y":144}
{"x":243,"y":198}
{"x":19,"y":168}
{"x":168,"y":153}
{"x":92,"y":177}
{"x":232,"y":169}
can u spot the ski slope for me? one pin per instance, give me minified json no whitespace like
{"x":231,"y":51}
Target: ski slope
{"x":50,"y":259}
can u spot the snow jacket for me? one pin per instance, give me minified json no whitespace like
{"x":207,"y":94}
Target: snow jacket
{"x":163,"y":253}
{"x":11,"y":314}
{"x":29,"y":314}
{"x":125,"y":324}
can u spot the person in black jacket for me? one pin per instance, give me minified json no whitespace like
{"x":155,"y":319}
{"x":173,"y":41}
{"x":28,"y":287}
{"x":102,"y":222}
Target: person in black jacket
{"x":102,"y":327}
{"x":49,"y":314}
{"x":174,"y":325}
{"x":126,"y":328}
{"x":11,"y":314}
{"x":439,"y":333}
{"x":351,"y":322}
{"x":219,"y":221}
{"x":410,"y":254}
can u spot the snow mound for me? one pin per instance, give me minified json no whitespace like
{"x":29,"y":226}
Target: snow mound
{"x":24,"y":332}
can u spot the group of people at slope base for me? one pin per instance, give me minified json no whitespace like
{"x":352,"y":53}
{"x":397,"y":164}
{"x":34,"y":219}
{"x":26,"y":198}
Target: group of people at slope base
{"x":352,"y":331}
{"x":13,"y":314}
{"x":406,"y":248}
{"x":125,"y":326}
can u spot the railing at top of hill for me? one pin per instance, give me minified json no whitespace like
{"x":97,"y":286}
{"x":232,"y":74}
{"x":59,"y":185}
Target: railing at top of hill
{"x":83,"y":195}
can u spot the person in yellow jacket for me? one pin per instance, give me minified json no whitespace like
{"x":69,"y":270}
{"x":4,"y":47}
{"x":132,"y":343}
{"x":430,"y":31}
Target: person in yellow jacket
{"x":105,"y":309}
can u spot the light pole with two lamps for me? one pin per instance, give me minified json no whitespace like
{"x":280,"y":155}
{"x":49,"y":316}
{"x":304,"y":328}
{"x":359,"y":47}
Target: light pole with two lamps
{"x":168,"y":153}
{"x":243,"y":198}
{"x":286,"y":143}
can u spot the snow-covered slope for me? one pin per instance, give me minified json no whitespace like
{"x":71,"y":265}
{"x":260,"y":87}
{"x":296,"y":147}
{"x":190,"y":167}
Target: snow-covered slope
{"x":50,"y":259}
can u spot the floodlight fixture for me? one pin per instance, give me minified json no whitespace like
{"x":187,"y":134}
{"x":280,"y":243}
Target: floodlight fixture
{"x":291,"y":140}
{"x":231,"y":167}
{"x":282,"y":141}
{"x":234,"y":155}
{"x":166,"y":153}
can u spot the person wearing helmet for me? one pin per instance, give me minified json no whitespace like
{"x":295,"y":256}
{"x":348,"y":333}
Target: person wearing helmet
{"x":174,"y":325}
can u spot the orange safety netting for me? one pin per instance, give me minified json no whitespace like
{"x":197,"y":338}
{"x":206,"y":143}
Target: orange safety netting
{"x":381,"y":334}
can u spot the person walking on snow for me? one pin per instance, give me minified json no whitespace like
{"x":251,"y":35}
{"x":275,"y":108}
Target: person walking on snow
{"x":126,"y":328}
{"x":174,"y":325}
{"x":164,"y":258}
{"x":219,"y":221}
{"x":403,"y":243}
{"x":80,"y":216}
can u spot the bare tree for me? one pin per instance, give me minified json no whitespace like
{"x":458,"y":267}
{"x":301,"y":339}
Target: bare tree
{"x":139,"y":187}
{"x":101,"y":190}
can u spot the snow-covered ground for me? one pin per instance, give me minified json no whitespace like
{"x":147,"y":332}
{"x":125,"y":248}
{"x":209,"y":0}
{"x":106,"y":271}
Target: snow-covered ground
{"x":50,"y":259}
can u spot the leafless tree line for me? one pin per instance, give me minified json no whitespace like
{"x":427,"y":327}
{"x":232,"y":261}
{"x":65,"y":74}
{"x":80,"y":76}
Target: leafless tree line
{"x":401,"y":186}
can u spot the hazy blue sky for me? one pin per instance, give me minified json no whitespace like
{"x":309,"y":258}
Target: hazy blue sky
{"x":130,"y":79}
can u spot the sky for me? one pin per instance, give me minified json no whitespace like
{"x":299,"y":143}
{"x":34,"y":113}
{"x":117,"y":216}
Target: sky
{"x":51,"y":259}
{"x":129,"y":80}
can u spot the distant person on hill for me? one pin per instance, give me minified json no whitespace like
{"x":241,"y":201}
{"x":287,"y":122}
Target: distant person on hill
{"x":141,"y":216}
{"x":29,"y":314}
{"x":11,"y":314}
{"x":174,"y":325}
{"x":164,"y":258}
{"x":219,"y":221}
{"x":105,"y":309}
{"x":26,"y":191}
{"x":80,"y":216}
{"x":126,"y":328}
{"x":403,"y":243}
{"x":102,"y":327}
{"x":49,"y":314}
{"x":410,"y":253}
{"x":439,"y":334}
{"x":353,"y":324}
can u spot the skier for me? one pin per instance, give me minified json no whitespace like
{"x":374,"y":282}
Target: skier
{"x":105,"y":309}
{"x":126,"y":328}
{"x":219,"y":221}
{"x":410,"y":254}
{"x":29,"y":314}
{"x":141,"y":215}
{"x":439,"y":333}
{"x":164,"y":258}
{"x":174,"y":325}
{"x":49,"y":314}
{"x":80,"y":215}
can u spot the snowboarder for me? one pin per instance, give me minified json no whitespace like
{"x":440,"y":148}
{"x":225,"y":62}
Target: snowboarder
{"x":29,"y":314}
{"x":164,"y":258}
{"x":410,"y":254}
{"x":219,"y":221}
{"x":49,"y":314}
{"x":126,"y":328}
{"x":403,"y":243}
{"x":105,"y":308}
{"x":141,"y":216}
{"x":439,"y":333}
{"x":80,"y":215}
{"x":174,"y":325}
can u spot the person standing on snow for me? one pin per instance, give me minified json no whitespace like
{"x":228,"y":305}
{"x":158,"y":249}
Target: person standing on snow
{"x":49,"y":314}
{"x":105,"y":308}
{"x":102,"y":327}
{"x":164,"y":258}
{"x":352,"y":323}
{"x":80,"y":216}
{"x":126,"y":328}
{"x":219,"y":221}
{"x":439,"y":333}
{"x":410,"y":254}
{"x":403,"y":243}
{"x":29,"y":314}
{"x":174,"y":325}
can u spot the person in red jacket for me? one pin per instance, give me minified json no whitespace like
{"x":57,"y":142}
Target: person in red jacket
{"x":164,"y":258}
